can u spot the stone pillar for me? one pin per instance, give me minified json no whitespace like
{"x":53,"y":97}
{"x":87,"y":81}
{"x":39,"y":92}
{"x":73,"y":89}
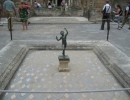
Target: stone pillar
{"x":31,"y":2}
{"x":56,"y":2}
{"x":69,"y":3}
{"x":72,"y":2}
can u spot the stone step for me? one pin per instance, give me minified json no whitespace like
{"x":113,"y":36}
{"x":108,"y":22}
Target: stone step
{"x":46,"y":20}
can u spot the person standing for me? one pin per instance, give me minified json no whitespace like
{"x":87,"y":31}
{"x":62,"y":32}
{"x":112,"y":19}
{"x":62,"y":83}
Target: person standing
{"x":106,"y":15}
{"x":1,"y":9}
{"x":62,"y":5}
{"x":66,"y":6}
{"x":28,"y":11}
{"x":49,"y":6}
{"x":35,"y":4}
{"x":119,"y":12}
{"x":24,"y":14}
{"x":10,"y":9}
{"x":127,"y":15}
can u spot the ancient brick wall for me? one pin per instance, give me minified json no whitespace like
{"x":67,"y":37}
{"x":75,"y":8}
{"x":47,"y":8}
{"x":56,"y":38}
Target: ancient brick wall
{"x":88,"y":5}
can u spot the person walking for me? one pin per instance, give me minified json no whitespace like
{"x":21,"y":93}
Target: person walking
{"x":127,"y":15}
{"x":106,"y":15}
{"x":10,"y":9}
{"x":24,"y":14}
{"x":119,"y":12}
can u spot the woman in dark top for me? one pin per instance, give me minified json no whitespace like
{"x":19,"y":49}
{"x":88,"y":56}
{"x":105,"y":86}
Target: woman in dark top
{"x":24,"y":14}
{"x":119,"y":12}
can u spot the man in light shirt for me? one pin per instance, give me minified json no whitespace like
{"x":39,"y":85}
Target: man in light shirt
{"x":106,"y":15}
{"x":10,"y":9}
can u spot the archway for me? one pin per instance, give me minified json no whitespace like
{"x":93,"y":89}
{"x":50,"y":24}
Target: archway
{"x":59,"y":1}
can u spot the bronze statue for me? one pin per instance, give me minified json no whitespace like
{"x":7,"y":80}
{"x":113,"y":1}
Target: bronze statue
{"x":63,"y":37}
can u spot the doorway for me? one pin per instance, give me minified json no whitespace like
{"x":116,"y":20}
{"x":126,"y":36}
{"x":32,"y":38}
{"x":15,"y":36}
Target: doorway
{"x":59,"y":1}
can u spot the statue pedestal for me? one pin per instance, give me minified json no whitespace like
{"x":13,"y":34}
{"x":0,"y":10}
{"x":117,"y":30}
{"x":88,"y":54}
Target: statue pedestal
{"x":63,"y":63}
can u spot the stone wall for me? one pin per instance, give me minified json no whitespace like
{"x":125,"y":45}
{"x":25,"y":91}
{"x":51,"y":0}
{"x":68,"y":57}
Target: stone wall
{"x":91,"y":8}
{"x":46,"y":12}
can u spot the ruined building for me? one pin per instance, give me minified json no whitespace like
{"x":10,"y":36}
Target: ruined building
{"x":84,"y":4}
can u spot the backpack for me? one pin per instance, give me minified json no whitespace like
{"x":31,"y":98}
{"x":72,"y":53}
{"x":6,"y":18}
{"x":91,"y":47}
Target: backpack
{"x":129,"y":11}
{"x":104,"y":12}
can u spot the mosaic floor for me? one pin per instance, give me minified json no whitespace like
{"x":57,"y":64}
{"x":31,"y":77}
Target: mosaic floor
{"x":39,"y":72}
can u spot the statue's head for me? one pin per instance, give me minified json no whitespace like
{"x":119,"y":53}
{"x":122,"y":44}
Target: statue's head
{"x":62,"y":32}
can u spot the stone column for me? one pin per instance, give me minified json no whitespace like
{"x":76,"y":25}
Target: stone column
{"x":56,"y":2}
{"x":69,"y":3}
{"x":31,"y":2}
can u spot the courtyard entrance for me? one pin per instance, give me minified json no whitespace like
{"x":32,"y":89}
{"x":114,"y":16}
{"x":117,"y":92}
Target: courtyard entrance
{"x":58,"y":3}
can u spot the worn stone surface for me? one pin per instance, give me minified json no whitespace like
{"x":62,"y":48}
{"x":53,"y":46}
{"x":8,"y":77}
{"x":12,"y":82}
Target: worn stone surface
{"x":42,"y":74}
{"x":78,"y":32}
{"x":43,"y":35}
{"x":60,"y":20}
{"x":101,"y":48}
{"x":54,"y":13}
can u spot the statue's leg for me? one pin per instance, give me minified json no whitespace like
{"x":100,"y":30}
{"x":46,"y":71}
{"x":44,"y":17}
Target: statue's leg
{"x":63,"y":47}
{"x":64,"y":52}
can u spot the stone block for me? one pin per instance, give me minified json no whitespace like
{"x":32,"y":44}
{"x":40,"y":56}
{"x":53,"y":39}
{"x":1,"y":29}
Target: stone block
{"x":63,"y":63}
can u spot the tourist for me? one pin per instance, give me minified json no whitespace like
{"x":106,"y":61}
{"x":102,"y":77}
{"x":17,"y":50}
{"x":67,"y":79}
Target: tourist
{"x":1,"y":9}
{"x":49,"y":6}
{"x":39,"y":5}
{"x":28,"y":11}
{"x":66,"y":6}
{"x":53,"y":5}
{"x":35,"y":4}
{"x":10,"y":9}
{"x":127,"y":15}
{"x":24,"y":15}
{"x":62,"y":5}
{"x":106,"y":15}
{"x":119,"y":13}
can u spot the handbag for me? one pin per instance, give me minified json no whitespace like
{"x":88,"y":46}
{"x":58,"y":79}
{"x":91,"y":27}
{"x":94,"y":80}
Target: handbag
{"x":116,"y":15}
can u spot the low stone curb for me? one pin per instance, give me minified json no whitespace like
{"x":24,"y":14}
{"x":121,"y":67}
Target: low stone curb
{"x":106,"y":52}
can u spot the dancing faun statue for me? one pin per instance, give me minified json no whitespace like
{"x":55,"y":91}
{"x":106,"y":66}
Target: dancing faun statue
{"x":63,"y":38}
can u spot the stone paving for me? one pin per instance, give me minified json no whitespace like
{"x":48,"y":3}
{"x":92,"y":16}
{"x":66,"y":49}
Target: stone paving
{"x":77,"y":32}
{"x":53,"y":20}
{"x":59,"y":20}
{"x":42,"y":74}
{"x":81,"y":32}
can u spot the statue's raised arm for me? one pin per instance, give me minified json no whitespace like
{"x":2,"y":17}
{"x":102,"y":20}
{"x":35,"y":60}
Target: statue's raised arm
{"x":66,"y":32}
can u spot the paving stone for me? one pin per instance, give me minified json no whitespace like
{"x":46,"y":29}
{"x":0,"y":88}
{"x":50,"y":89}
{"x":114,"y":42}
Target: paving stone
{"x":78,"y":32}
{"x":46,"y":77}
